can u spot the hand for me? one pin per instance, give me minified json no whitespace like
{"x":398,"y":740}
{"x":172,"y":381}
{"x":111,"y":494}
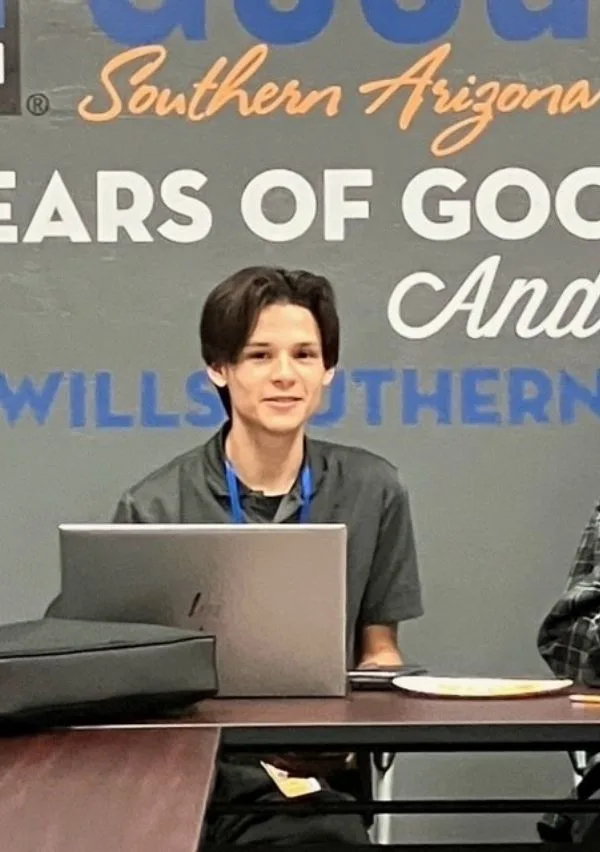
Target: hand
{"x":381,"y":659}
{"x":379,"y":647}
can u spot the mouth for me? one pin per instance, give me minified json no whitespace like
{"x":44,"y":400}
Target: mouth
{"x":283,"y":401}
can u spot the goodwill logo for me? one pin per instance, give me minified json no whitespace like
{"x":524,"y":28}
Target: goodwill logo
{"x":135,"y":81}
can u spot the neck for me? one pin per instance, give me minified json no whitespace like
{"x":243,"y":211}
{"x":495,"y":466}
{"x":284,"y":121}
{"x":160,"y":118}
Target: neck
{"x":265,"y":462}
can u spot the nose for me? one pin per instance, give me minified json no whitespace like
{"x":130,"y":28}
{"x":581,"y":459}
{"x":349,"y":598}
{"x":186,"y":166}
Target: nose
{"x":283,"y":369}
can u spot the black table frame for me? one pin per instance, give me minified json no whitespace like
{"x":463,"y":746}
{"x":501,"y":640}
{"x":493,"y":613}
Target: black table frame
{"x":416,"y":738}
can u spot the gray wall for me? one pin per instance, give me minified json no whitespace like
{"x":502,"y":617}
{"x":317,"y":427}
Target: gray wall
{"x":90,"y":311}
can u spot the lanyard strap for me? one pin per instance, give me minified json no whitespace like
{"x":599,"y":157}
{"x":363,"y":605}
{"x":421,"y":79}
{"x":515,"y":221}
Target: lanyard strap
{"x":235,"y":504}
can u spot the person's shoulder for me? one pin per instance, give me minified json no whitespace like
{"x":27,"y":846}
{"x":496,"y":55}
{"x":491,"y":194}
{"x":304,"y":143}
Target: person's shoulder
{"x":593,"y":524}
{"x":168,"y":474}
{"x":357,"y":463}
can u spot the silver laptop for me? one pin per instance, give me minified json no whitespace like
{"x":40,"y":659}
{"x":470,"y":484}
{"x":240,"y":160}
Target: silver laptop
{"x":273,"y":595}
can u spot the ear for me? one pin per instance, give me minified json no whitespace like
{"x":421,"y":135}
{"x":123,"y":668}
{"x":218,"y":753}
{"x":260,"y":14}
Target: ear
{"x":328,"y":377}
{"x":217,"y":376}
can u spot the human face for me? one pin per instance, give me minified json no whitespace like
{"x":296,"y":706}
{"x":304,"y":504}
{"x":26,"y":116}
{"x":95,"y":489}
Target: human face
{"x":278,"y":381}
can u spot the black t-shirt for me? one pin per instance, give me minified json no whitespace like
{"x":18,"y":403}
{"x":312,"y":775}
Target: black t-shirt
{"x":261,"y":508}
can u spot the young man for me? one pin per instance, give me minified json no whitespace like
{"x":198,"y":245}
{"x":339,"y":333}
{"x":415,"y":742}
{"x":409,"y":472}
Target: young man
{"x":270,"y":340}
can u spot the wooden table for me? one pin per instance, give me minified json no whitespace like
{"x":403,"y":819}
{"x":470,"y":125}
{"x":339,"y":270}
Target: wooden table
{"x":393,"y":721}
{"x":145,"y":787}
{"x":106,"y":790}
{"x":396,"y":722}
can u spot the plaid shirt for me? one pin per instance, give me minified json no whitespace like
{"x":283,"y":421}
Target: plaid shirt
{"x":571,"y":630}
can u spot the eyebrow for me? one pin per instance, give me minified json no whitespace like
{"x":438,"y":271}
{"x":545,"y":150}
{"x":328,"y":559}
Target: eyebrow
{"x":260,"y":345}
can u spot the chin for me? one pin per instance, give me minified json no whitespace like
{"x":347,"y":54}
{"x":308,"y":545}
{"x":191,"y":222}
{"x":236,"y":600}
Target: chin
{"x":283,"y":425}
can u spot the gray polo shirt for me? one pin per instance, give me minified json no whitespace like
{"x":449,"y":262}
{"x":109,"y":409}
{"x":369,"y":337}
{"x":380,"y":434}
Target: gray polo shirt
{"x":349,"y":485}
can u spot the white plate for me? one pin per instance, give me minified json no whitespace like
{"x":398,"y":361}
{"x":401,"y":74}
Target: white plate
{"x":479,"y":687}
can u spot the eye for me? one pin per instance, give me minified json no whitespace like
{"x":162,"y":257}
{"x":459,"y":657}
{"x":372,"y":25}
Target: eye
{"x":258,"y":356}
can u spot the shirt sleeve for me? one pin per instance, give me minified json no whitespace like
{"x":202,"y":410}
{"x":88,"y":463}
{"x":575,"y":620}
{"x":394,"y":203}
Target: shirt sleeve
{"x":393,"y":591}
{"x":127,"y":512}
{"x":571,"y":630}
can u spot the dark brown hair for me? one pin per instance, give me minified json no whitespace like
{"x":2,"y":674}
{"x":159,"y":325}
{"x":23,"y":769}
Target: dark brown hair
{"x":232,"y":309}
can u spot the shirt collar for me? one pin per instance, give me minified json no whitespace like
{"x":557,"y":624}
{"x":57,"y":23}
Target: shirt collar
{"x":214,"y":464}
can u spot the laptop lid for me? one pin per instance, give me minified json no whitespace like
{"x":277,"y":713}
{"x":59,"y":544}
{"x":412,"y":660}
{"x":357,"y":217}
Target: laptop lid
{"x":273,"y":595}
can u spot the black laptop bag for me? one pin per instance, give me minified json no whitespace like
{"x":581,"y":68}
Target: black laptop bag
{"x":56,"y":672}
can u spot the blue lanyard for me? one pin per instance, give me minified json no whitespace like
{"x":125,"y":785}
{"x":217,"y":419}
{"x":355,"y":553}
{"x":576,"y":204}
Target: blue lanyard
{"x":235,"y":505}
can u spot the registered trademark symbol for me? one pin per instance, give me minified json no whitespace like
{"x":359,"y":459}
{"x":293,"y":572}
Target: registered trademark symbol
{"x":37,"y":104}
